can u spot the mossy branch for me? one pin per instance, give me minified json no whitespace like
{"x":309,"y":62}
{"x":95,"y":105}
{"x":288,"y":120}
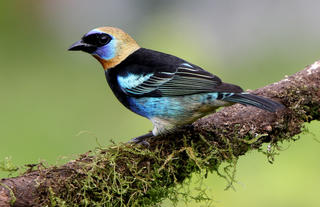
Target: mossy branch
{"x":131,"y":175}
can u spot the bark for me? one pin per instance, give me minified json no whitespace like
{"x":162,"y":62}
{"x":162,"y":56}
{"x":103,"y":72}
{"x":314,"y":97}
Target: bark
{"x":98,"y":178}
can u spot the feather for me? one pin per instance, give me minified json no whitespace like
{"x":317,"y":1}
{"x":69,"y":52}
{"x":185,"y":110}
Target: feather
{"x":181,"y":81}
{"x":253,"y":100}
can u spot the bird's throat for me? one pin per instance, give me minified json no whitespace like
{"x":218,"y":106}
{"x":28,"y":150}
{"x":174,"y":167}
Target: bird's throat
{"x":107,"y":64}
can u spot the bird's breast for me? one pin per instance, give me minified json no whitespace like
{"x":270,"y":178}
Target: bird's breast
{"x":175,"y":110}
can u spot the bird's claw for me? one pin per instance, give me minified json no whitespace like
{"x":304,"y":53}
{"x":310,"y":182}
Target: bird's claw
{"x":141,"y":139}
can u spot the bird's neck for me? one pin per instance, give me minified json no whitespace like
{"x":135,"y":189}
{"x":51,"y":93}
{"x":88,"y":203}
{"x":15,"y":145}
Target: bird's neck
{"x":122,"y":55}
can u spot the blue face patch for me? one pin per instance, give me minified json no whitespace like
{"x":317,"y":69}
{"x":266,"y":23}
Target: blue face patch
{"x":107,"y":51}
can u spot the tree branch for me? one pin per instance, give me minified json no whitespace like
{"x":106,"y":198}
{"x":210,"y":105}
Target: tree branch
{"x":131,"y":175}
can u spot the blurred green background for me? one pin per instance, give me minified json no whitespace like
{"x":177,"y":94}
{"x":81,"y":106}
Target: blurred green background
{"x":56,"y":104}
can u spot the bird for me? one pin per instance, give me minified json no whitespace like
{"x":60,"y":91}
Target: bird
{"x":170,"y":91}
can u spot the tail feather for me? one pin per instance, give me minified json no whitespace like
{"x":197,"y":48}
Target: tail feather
{"x":254,"y":100}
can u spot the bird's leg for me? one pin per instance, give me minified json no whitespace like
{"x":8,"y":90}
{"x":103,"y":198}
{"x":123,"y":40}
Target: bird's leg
{"x":141,"y":139}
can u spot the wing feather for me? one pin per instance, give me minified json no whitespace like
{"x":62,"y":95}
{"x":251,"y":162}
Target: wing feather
{"x":185,"y":80}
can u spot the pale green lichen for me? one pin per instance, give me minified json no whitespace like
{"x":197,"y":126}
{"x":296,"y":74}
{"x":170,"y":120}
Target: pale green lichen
{"x":7,"y":165}
{"x":12,"y":196}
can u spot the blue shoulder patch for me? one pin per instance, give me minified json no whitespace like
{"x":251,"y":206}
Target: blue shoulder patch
{"x":132,"y":80}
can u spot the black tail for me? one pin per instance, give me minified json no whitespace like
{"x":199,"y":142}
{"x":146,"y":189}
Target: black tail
{"x":253,"y":100}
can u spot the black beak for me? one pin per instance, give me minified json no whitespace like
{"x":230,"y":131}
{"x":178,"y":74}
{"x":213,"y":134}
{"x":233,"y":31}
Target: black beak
{"x":82,"y":46}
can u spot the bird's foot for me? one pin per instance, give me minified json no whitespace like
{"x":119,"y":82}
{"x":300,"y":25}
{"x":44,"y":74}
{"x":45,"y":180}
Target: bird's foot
{"x":141,"y":139}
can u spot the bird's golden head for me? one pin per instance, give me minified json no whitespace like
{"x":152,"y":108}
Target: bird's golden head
{"x":109,"y":45}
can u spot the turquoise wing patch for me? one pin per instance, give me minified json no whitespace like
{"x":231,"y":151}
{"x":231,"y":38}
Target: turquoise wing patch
{"x":139,"y":84}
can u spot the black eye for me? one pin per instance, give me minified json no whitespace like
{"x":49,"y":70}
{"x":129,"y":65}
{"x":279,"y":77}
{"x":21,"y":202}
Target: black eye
{"x":97,"y":39}
{"x":104,"y":39}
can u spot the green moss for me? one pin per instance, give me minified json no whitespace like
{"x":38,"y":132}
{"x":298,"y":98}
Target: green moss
{"x":12,"y":196}
{"x":131,"y":175}
{"x":125,"y":175}
{"x":7,"y":165}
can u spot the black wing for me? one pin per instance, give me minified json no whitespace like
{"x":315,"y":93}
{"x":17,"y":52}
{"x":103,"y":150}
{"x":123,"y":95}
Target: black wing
{"x":169,"y":78}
